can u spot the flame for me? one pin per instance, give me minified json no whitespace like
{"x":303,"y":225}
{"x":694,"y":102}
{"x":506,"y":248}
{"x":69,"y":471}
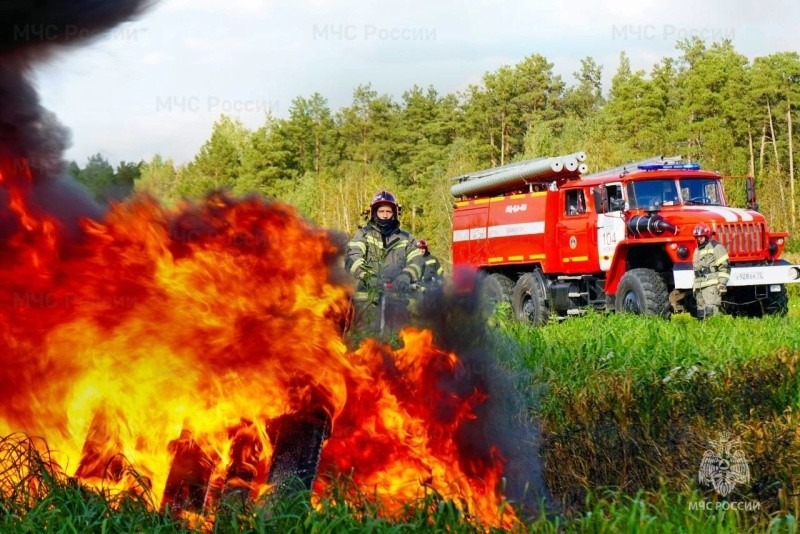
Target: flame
{"x":407,"y":430}
{"x":155,"y":353}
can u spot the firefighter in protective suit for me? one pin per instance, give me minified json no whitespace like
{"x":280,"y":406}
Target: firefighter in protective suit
{"x":432,"y":276}
{"x":380,"y":255}
{"x":711,"y":272}
{"x":431,"y":285}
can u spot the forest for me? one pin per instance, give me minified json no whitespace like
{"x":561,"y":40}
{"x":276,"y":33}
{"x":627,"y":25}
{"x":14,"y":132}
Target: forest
{"x":709,"y":104}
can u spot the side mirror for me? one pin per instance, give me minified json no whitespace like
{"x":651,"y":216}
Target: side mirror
{"x":750,"y":189}
{"x":599,"y":205}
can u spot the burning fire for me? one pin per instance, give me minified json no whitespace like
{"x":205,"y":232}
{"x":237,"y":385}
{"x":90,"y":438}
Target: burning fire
{"x":186,"y":344}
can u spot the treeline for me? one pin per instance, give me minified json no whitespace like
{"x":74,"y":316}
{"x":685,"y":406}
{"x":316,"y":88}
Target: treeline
{"x":710,"y":104}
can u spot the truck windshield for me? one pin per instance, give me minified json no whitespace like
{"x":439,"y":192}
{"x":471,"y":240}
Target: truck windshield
{"x":652,"y":194}
{"x":701,"y":191}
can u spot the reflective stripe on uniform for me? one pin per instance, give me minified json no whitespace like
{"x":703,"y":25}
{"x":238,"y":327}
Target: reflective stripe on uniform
{"x":413,"y":254}
{"x":414,"y":271}
{"x":356,"y":265}
{"x":360,"y":245}
{"x":372,"y":240}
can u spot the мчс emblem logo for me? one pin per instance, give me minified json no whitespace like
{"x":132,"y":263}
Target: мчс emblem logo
{"x":724,"y":465}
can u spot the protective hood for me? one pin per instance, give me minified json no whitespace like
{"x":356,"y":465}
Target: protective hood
{"x":386,"y":226}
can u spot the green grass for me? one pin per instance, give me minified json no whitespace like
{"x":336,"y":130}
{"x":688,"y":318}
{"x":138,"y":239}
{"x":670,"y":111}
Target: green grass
{"x":629,"y":403}
{"x":626,"y":405}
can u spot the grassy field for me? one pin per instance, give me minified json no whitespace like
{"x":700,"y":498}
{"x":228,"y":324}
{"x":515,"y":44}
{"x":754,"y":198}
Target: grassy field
{"x":628,"y":404}
{"x":626,"y":407}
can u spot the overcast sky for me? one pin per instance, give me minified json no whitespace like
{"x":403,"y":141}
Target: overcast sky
{"x":158,"y":83}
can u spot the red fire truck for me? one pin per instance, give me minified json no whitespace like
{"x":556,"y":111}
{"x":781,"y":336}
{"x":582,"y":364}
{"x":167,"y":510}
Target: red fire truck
{"x":552,"y":242}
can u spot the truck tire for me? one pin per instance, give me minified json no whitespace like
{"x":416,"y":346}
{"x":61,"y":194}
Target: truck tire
{"x":494,"y":289}
{"x":775,"y":303}
{"x":529,"y":300}
{"x":643,"y":292}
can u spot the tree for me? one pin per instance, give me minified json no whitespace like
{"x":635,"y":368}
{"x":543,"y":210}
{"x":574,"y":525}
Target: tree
{"x":633,"y":110}
{"x":97,"y":176}
{"x":73,"y":169}
{"x":367,"y":128}
{"x":425,"y":130}
{"x":775,"y":92}
{"x":218,"y":165}
{"x":123,"y":181}
{"x":538,"y":92}
{"x":158,"y":177}
{"x":585,"y":99}
{"x":269,"y":162}
{"x":713,"y":116}
{"x":509,"y":102}
{"x":313,"y":134}
{"x":492,"y":112}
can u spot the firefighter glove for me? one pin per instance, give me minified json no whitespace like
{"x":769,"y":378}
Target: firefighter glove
{"x":402,"y":283}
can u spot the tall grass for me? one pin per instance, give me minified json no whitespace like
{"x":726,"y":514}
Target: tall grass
{"x":629,"y":403}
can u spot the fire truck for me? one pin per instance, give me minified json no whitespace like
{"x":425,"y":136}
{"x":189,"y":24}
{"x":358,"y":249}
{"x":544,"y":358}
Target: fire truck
{"x":554,"y":242}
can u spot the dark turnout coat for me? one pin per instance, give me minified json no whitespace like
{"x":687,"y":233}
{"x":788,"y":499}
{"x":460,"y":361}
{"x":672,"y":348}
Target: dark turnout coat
{"x":374,"y":259}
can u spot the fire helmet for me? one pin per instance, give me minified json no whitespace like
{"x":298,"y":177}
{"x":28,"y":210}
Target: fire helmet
{"x":702,"y":230}
{"x":383,"y":198}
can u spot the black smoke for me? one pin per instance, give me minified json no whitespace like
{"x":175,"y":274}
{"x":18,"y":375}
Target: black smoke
{"x":31,"y":32}
{"x":507,"y":419}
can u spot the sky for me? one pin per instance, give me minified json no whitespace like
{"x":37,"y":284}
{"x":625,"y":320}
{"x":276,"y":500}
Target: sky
{"x":157,"y":84}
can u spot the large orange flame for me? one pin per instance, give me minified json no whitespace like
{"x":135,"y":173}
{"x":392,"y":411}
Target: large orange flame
{"x":165,"y":337}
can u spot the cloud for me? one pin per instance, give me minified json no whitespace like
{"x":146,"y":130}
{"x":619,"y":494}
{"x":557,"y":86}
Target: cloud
{"x":155,"y":58}
{"x":257,"y":8}
{"x":245,"y":52}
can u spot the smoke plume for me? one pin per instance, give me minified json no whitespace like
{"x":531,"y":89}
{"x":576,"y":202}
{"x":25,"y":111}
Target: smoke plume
{"x":30,"y":33}
{"x":505,"y":420}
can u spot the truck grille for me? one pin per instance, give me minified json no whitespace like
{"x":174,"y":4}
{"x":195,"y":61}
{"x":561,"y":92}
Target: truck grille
{"x":743,"y":240}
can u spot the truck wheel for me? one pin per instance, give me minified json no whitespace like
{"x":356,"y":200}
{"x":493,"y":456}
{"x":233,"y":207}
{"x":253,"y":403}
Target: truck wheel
{"x":494,"y":289}
{"x":643,"y":291}
{"x":529,"y":301}
{"x":775,"y":303}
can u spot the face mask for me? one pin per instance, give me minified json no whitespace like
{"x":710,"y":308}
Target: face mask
{"x":386,"y":226}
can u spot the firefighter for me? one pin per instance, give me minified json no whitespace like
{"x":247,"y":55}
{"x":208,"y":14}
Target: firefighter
{"x":711,"y":271}
{"x":379,"y":254}
{"x":431,"y":286}
{"x":432,"y":276}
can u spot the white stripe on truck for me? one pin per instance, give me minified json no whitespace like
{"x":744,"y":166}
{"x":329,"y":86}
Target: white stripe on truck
{"x":500,"y":230}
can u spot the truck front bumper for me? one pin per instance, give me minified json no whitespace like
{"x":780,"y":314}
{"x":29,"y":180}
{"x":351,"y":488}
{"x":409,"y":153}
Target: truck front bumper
{"x":780,"y":272}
